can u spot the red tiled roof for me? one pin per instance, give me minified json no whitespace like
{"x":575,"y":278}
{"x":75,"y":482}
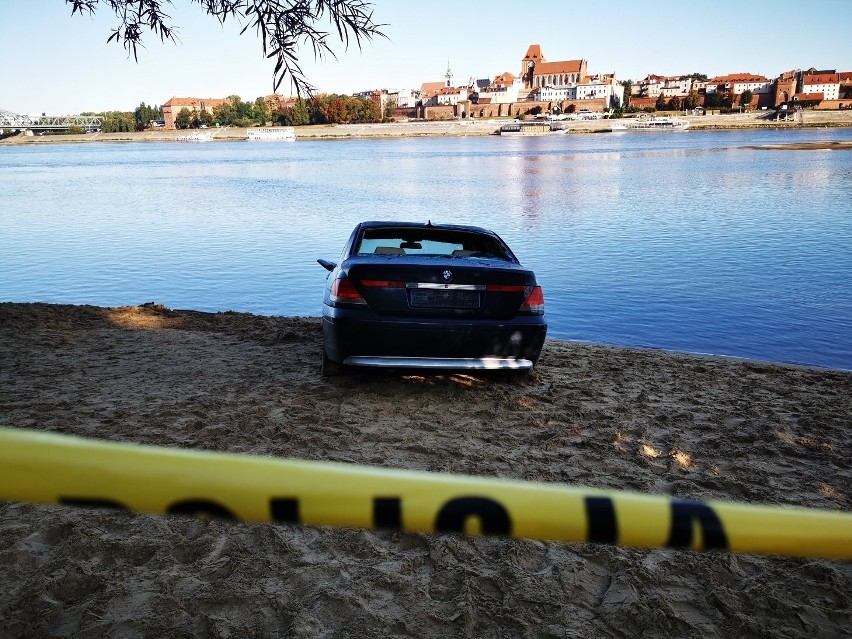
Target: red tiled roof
{"x":534,"y":53}
{"x":282,"y":101}
{"x":503,"y":80}
{"x":828,"y":78}
{"x":565,"y":66}
{"x":738,"y":77}
{"x":432,"y":87}
{"x":809,"y":96}
{"x":194,"y":101}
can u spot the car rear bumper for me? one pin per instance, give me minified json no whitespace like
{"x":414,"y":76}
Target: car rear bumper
{"x":363,"y":338}
{"x":466,"y":363}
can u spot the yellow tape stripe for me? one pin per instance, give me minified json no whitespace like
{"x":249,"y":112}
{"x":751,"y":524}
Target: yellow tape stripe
{"x":53,"y":469}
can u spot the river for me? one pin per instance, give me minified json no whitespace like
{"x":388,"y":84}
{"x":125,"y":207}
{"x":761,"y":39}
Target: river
{"x":681,"y":241}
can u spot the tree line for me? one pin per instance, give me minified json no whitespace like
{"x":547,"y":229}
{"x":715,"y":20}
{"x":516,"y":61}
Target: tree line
{"x":123,"y":121}
{"x":321,"y":109}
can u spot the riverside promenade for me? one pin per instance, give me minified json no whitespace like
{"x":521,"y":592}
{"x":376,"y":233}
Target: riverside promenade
{"x":453,"y":128}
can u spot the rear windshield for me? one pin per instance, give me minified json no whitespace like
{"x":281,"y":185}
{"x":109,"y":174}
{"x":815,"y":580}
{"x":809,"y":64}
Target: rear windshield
{"x":420,"y":241}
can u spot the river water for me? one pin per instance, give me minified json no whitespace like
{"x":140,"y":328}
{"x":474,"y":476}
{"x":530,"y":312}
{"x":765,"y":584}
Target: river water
{"x":679,"y":241}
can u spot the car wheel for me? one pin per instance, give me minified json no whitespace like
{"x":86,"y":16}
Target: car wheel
{"x":330,"y":368}
{"x":519,"y":375}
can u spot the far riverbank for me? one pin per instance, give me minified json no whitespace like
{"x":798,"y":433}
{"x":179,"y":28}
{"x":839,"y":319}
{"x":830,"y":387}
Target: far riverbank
{"x":454,"y":128}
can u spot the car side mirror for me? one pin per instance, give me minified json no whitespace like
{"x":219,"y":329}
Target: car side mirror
{"x":328,"y":266}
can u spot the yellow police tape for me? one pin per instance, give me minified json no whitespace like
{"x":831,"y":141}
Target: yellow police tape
{"x":58,"y":469}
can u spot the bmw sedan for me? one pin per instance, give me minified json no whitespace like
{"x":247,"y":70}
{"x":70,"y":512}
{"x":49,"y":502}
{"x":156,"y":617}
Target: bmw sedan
{"x":442,"y":296}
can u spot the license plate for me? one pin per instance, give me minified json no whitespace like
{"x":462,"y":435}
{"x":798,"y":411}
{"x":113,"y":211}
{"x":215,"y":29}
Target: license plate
{"x":442,"y":298}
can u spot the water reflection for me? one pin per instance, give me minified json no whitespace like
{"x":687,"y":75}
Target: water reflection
{"x":685,"y":241}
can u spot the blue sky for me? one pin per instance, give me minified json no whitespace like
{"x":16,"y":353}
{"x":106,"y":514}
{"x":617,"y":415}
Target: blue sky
{"x":64,"y":65}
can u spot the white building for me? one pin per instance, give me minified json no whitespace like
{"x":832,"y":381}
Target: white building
{"x":671,"y":86}
{"x":597,"y":87}
{"x":676,"y":87}
{"x":555,"y":94}
{"x":405,"y":98}
{"x":826,"y":83}
{"x":738,"y":83}
{"x":594,"y":90}
{"x":649,"y":87}
{"x":602,"y":87}
{"x":505,"y":89}
{"x":451,"y":95}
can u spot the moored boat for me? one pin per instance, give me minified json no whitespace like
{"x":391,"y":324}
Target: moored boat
{"x":274,"y":134}
{"x":533,"y":128}
{"x":653,"y":123}
{"x":195,"y":137}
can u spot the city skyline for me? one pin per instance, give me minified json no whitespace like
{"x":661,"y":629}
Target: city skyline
{"x":68,"y":67}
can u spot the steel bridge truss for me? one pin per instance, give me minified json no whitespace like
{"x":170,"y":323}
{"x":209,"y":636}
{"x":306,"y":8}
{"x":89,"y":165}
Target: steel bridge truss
{"x":9,"y":120}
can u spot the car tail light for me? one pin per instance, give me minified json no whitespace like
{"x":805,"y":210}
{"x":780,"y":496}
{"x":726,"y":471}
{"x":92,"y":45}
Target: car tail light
{"x":343,"y":290}
{"x":534,"y":302}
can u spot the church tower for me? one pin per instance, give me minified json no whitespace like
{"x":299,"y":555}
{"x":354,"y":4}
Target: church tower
{"x":449,"y":75}
{"x":532,"y":58}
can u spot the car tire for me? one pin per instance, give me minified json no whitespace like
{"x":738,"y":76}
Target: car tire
{"x":519,"y":375}
{"x":330,"y":368}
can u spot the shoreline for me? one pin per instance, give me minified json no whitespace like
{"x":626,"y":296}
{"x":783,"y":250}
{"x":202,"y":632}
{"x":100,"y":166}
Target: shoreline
{"x":160,"y":310}
{"x":455,"y":128}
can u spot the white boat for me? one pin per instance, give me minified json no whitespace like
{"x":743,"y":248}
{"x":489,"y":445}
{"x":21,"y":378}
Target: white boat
{"x":275,"y":134}
{"x":586,"y":114}
{"x":653,"y":123}
{"x":195,"y":137}
{"x":533,"y":128}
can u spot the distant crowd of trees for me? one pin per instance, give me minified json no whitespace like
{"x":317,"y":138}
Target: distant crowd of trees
{"x":322,"y":109}
{"x":234,"y":112}
{"x":330,"y":109}
{"x":123,"y":121}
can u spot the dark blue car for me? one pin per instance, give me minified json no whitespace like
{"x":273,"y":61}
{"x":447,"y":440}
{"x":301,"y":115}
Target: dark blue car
{"x":430,"y":296}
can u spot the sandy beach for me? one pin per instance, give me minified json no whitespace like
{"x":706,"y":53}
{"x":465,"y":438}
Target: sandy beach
{"x":598,"y":416}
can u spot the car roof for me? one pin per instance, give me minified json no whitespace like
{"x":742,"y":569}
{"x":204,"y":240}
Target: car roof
{"x":453,"y":227}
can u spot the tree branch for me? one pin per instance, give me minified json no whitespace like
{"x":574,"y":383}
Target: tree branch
{"x":281,"y":25}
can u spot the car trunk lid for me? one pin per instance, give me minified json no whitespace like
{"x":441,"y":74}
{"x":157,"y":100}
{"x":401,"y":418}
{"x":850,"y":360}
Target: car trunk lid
{"x":447,"y":287}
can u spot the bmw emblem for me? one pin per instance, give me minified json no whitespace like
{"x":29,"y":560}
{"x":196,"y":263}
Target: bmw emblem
{"x":447,"y":275}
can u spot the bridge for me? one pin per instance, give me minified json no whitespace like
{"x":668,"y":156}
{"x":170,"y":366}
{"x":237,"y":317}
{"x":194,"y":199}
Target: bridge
{"x":13,"y":121}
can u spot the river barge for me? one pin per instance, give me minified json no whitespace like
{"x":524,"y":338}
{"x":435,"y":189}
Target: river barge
{"x":272,"y":134}
{"x":533,"y":128}
{"x":654,"y":123}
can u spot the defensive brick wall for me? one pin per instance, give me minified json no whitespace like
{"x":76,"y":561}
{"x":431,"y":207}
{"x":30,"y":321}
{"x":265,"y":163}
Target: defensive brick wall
{"x":492,"y":110}
{"x":833,"y":105}
{"x":758,"y":101}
